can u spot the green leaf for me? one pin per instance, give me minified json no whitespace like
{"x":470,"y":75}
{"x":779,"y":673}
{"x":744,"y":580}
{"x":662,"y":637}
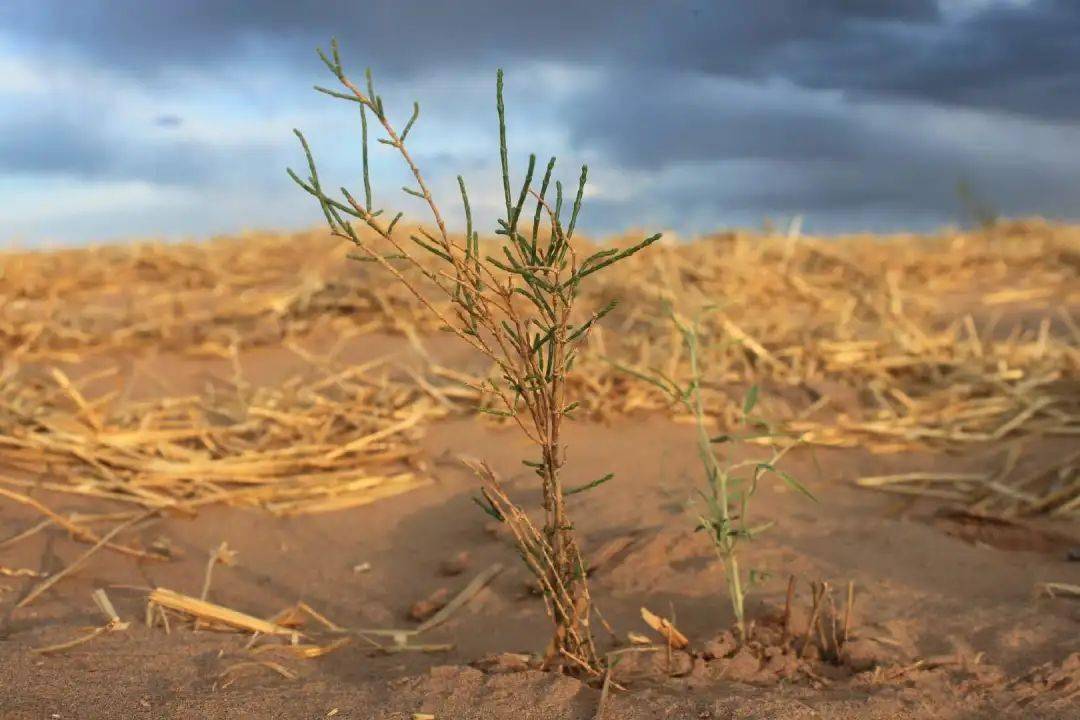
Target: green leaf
{"x":335,"y":93}
{"x":489,"y":507}
{"x":369,"y":258}
{"x":335,"y":53}
{"x":431,"y":249}
{"x":751,"y":400}
{"x":539,"y":208}
{"x":789,"y":480}
{"x":598,"y":256}
{"x":541,"y":340}
{"x":592,"y":321}
{"x":589,"y":486}
{"x":577,"y":201}
{"x":513,"y":219}
{"x":408,"y":126}
{"x":622,"y":255}
{"x":364,"y":151}
{"x":657,"y":380}
{"x":468,"y":218}
{"x":335,"y":67}
{"x":511,"y":332}
{"x":503,"y":160}
{"x":493,"y":411}
{"x":390,"y":227}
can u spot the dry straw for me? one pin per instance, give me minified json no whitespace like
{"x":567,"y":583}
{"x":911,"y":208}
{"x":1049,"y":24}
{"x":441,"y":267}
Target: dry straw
{"x":893,"y":344}
{"x":968,"y":341}
{"x":957,"y":341}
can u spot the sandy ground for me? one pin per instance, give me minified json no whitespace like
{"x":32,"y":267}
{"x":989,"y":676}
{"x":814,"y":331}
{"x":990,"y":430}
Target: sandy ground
{"x":957,"y":595}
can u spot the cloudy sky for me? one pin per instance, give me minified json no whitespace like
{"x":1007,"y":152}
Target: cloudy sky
{"x":122,"y":118}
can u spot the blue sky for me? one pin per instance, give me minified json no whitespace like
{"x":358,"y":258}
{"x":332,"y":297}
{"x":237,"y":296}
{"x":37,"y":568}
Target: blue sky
{"x":127,"y":118}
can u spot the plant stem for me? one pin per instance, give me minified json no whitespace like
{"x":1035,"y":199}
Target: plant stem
{"x":718,"y":483}
{"x":736,"y":592}
{"x":515,"y":309}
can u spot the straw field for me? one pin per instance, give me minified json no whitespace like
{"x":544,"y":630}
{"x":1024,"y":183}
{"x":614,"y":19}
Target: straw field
{"x":319,"y":382}
{"x":888,"y":343}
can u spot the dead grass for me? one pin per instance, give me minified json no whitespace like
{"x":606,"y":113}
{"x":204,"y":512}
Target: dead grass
{"x":887,"y":343}
{"x":336,"y":441}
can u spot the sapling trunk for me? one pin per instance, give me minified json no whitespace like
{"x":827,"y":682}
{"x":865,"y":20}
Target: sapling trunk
{"x":516,"y":308}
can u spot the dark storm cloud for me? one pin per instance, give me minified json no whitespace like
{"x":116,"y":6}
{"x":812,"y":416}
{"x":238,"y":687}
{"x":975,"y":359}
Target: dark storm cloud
{"x":411,"y":35}
{"x":1023,"y":58}
{"x":403,"y":36}
{"x":707,"y":148}
{"x":719,"y":111}
{"x":675,"y":119}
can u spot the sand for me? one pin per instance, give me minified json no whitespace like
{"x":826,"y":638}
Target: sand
{"x":949,"y":621}
{"x":921,"y":585}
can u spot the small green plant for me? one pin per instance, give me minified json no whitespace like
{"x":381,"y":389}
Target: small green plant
{"x":729,"y":485}
{"x":516,"y":306}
